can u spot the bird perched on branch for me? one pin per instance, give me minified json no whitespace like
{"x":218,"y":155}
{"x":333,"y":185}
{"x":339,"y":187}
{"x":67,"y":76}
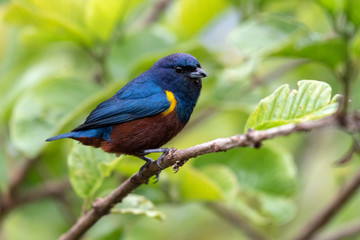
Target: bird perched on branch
{"x":147,"y":112}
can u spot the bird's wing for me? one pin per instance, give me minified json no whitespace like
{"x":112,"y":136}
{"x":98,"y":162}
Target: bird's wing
{"x":124,"y":107}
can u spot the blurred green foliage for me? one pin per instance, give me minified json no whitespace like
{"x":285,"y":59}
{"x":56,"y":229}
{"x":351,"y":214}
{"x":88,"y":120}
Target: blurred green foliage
{"x":60,"y":58}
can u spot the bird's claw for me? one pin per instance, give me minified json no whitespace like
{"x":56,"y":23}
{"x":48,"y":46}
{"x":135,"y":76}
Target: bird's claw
{"x":148,"y":160}
{"x":159,"y":160}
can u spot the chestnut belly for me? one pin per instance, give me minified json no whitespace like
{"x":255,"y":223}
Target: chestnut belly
{"x":141,"y":134}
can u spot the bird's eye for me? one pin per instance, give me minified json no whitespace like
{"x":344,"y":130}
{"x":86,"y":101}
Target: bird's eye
{"x":178,"y":69}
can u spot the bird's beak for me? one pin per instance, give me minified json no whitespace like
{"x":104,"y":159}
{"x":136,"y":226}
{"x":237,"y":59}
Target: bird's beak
{"x":199,"y":73}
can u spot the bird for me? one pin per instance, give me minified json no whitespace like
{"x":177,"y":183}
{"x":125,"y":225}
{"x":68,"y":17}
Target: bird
{"x":146,"y":113}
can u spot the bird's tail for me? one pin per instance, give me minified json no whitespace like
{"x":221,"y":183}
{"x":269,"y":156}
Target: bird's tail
{"x":64,"y":135}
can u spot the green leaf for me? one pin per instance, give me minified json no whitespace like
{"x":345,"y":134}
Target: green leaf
{"x":265,"y":209}
{"x":225,"y":178}
{"x":265,"y":178}
{"x":39,"y":111}
{"x":181,"y":21}
{"x":333,"y":6}
{"x":148,"y":45}
{"x":263,"y":36}
{"x":278,"y":210}
{"x":62,"y":19}
{"x":269,"y":169}
{"x":352,"y":11}
{"x":88,"y":167}
{"x":32,"y":218}
{"x":311,"y":101}
{"x":196,"y":186}
{"x":138,"y":205}
{"x":330,"y":52}
{"x":103,"y":15}
{"x":355,"y":47}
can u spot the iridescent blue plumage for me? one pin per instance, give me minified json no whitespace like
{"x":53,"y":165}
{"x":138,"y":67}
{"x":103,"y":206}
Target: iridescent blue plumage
{"x":147,"y":112}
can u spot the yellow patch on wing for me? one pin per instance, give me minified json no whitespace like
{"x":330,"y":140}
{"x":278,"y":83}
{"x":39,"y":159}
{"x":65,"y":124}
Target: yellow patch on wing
{"x":170,"y":96}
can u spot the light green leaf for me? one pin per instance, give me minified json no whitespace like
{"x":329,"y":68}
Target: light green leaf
{"x":311,"y":101}
{"x":333,"y":6}
{"x":264,"y":209}
{"x":149,"y":45}
{"x":39,"y":111}
{"x":103,"y":15}
{"x":225,"y":178}
{"x":330,"y":52}
{"x":263,"y":36}
{"x":278,"y":210}
{"x":196,"y":186}
{"x":180,"y":18}
{"x":138,"y":205}
{"x":248,"y":210}
{"x":64,"y":19}
{"x":88,"y":167}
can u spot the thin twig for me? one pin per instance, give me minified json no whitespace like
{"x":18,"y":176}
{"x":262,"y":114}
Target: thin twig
{"x":8,"y":198}
{"x":19,"y":175}
{"x":158,"y":8}
{"x":178,"y":158}
{"x":237,"y":220}
{"x":348,"y":156}
{"x":350,"y":230}
{"x":54,"y":189}
{"x":320,"y":220}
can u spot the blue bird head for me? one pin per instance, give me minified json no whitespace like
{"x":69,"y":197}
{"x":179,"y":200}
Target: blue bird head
{"x":181,"y":74}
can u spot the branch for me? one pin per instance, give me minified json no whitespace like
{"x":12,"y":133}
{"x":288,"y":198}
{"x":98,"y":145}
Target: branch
{"x":178,"y":158}
{"x":237,"y":220}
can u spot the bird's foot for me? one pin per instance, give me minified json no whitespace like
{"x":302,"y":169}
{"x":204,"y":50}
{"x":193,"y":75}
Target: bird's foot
{"x":164,"y":152}
{"x":148,"y":160}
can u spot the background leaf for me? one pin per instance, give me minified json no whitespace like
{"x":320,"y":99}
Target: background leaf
{"x":352,"y":12}
{"x":31,"y":220}
{"x":88,"y":167}
{"x":264,"y":36}
{"x":37,"y":113}
{"x":196,"y":186}
{"x":180,"y":18}
{"x":62,"y":20}
{"x":330,"y":51}
{"x":103,"y":16}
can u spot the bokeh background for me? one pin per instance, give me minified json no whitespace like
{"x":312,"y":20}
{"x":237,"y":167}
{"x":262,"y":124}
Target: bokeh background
{"x":60,"y":58}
